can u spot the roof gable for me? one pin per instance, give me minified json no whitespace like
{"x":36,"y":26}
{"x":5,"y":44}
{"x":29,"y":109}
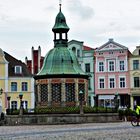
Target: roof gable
{"x":13,"y":62}
{"x":111,"y":45}
{"x":75,"y":42}
{"x":86,"y":48}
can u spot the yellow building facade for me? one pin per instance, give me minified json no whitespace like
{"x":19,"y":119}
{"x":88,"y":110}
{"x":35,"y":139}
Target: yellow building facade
{"x":134,"y":67}
{"x":15,"y":80}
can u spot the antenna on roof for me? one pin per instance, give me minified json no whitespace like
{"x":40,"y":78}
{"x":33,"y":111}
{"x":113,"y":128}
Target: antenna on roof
{"x":60,"y":3}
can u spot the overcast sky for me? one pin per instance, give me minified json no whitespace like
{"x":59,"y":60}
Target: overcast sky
{"x":27,"y":23}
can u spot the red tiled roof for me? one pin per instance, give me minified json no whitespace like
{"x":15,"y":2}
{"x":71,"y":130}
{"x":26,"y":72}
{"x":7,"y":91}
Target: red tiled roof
{"x":86,"y":48}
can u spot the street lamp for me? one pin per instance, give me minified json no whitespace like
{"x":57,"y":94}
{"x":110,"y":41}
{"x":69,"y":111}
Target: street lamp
{"x":1,"y":91}
{"x":81,"y":101}
{"x":116,"y":99}
{"x":8,"y":99}
{"x":21,"y":107}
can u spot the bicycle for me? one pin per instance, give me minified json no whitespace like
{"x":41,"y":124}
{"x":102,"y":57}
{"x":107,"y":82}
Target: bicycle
{"x":135,"y":121}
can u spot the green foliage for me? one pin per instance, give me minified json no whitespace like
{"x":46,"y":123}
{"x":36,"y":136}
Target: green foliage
{"x":14,"y":112}
{"x":64,"y":110}
{"x":71,"y":110}
{"x":89,"y":109}
{"x":57,"y":110}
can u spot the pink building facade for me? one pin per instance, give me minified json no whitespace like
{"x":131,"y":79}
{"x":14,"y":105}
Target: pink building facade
{"x":112,"y":75}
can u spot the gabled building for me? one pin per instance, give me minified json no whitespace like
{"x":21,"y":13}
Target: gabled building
{"x":15,"y":80}
{"x":112,"y":74}
{"x":134,"y":64}
{"x":85,"y":56}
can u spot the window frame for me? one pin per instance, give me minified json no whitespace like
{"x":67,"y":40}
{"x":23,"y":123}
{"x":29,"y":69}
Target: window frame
{"x":122,"y":66}
{"x":122,"y":84}
{"x":136,"y":85}
{"x":101,"y":66}
{"x":87,"y":67}
{"x":14,"y":105}
{"x":18,"y":69}
{"x":111,"y":67}
{"x":24,"y":86}
{"x":135,"y":64}
{"x":111,"y":83}
{"x":101,"y":83}
{"x":13,"y":86}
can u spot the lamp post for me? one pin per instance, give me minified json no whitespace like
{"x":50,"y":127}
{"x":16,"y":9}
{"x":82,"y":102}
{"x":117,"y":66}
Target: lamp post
{"x":1,"y":91}
{"x":21,"y":107}
{"x":8,"y":109}
{"x":116,"y":99}
{"x":81,"y":102}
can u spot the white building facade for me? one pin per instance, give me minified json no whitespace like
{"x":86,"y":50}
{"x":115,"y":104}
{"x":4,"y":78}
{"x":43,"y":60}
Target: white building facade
{"x":85,"y":56}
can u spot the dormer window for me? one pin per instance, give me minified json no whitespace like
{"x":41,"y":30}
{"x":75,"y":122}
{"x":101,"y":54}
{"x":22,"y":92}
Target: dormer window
{"x":18,"y":69}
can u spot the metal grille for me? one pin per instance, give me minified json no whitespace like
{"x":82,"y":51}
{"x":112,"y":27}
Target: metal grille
{"x":81,"y":87}
{"x":56,"y":92}
{"x":44,"y":92}
{"x":36,"y":93}
{"x":70,"y":92}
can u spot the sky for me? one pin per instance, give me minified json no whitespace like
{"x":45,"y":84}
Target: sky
{"x":27,"y":23}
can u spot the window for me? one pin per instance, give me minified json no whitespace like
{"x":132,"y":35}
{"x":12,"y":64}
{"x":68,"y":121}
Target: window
{"x":100,"y":53}
{"x":122,"y":82}
{"x":18,"y":69}
{"x":135,"y":64}
{"x":24,"y":86}
{"x":136,"y":82}
{"x":111,"y":66}
{"x":121,"y":51}
{"x":14,"y":105}
{"x":13,"y":86}
{"x":110,"y":52}
{"x":74,"y":49}
{"x":101,"y":83}
{"x":87,"y":67}
{"x":121,"y":65}
{"x":111,"y":83}
{"x":101,"y":66}
{"x":25,"y":104}
{"x":78,"y":53}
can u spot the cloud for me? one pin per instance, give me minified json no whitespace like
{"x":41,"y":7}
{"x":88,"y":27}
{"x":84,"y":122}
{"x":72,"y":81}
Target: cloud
{"x":84,"y":12}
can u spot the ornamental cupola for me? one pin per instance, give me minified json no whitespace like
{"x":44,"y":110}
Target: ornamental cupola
{"x":60,"y":30}
{"x":60,"y":60}
{"x":61,"y":78}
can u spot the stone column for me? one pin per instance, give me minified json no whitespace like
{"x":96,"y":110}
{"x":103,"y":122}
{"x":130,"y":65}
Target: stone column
{"x":132,"y":101}
{"x":49,"y":93}
{"x":86,"y":91}
{"x":63,"y":93}
{"x":38,"y":91}
{"x":76,"y":92}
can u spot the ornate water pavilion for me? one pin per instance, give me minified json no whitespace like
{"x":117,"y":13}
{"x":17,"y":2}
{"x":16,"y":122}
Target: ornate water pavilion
{"x":61,"y":78}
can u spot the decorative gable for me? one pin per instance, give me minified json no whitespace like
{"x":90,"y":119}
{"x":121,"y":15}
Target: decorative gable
{"x":111,"y":45}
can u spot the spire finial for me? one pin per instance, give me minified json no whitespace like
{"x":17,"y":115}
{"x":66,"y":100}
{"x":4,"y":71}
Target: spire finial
{"x":60,"y":3}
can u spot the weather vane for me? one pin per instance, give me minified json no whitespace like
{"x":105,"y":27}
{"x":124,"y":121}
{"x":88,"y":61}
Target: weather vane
{"x":60,"y":3}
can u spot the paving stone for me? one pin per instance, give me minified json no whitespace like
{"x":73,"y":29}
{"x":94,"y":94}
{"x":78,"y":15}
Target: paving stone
{"x":91,"y":131}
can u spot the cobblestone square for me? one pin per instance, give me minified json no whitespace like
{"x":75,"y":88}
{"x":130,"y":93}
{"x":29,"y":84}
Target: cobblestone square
{"x":91,"y":131}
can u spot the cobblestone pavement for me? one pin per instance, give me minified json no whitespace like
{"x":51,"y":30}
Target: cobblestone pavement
{"x":91,"y":131}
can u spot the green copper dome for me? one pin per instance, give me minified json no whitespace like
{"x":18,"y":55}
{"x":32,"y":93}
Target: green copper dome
{"x":60,"y":23}
{"x":60,"y":60}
